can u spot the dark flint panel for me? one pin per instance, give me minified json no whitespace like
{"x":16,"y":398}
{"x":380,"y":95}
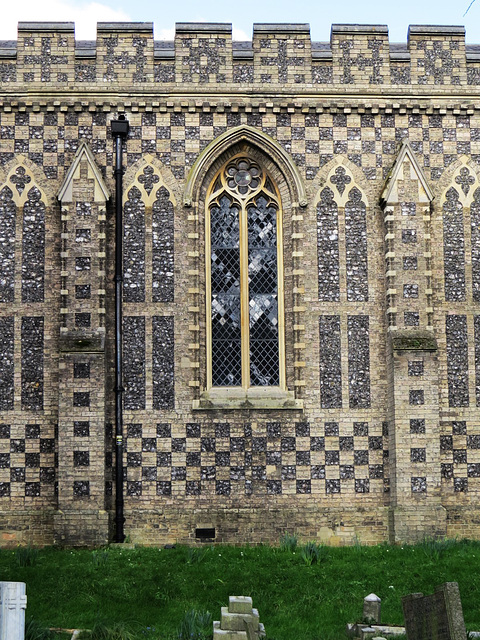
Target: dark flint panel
{"x":134,"y":248}
{"x":327,"y":248}
{"x":33,"y":248}
{"x":475,"y":229}
{"x":330,"y":362}
{"x":457,"y":360}
{"x":32,"y":363}
{"x":453,"y":247}
{"x":6,"y":363}
{"x":162,"y":247}
{"x":8,"y":215}
{"x":358,"y":362}
{"x":134,"y":362}
{"x":356,"y":247}
{"x":163,"y":365}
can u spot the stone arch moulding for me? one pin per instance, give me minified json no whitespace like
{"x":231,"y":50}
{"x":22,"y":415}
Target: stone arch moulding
{"x":464,"y":176}
{"x":20,"y":175}
{"x":252,"y":136}
{"x":135,"y":176}
{"x":322,"y":180}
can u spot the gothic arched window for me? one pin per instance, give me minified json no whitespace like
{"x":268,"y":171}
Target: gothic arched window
{"x":245,"y":331}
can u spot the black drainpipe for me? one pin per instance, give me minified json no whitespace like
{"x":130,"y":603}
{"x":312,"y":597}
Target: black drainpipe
{"x":119,"y":132}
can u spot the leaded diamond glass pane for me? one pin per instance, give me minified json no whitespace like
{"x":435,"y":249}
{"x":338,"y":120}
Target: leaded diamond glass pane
{"x":225,"y":285}
{"x":263,"y":297}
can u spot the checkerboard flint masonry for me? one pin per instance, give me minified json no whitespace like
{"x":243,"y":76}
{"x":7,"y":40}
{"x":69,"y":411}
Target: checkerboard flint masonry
{"x":299,"y":285}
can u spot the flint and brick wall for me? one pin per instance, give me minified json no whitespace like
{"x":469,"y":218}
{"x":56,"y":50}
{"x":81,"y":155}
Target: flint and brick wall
{"x":375,"y":149}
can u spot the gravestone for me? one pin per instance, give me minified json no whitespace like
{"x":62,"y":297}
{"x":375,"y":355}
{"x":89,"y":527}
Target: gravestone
{"x":435,"y":617}
{"x":13,"y":603}
{"x":372,"y":605}
{"x":239,"y":621}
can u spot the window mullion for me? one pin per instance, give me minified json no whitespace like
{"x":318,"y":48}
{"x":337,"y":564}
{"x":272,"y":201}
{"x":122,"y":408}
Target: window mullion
{"x":244,"y":298}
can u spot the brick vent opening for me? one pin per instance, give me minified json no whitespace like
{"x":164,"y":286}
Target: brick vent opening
{"x":205,"y":535}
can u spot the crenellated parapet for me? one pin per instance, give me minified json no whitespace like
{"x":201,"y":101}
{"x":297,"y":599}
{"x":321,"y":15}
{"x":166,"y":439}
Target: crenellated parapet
{"x":437,"y":55}
{"x":45,"y":53}
{"x":360,"y":54}
{"x":281,"y":57}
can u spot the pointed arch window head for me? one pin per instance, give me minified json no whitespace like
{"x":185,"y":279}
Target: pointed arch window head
{"x":245,"y":329}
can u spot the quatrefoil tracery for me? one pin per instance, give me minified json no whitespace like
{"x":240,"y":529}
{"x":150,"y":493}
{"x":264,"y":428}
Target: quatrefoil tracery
{"x":243,"y":179}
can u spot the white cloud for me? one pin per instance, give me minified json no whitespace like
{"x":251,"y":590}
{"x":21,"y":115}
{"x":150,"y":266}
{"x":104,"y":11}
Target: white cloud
{"x":84,"y":15}
{"x":165,"y":34}
{"x":240,"y":35}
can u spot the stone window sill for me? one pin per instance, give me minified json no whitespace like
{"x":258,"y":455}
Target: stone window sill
{"x":256,"y":398}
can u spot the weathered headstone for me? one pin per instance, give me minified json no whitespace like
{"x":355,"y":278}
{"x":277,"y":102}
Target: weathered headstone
{"x":435,"y":617}
{"x":372,"y":606}
{"x":13,"y":603}
{"x":239,"y":621}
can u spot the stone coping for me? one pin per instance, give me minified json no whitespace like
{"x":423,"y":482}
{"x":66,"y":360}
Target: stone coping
{"x":203,"y":27}
{"x":136,"y":27}
{"x":47,"y":26}
{"x":266,"y":27}
{"x":366,"y":29}
{"x":432,"y":30}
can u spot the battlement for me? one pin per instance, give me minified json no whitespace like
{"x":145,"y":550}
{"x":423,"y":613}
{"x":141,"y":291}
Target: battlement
{"x":280,"y":57}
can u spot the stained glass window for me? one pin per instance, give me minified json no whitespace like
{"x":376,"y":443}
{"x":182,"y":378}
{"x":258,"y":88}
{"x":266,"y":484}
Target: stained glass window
{"x":245,"y":258}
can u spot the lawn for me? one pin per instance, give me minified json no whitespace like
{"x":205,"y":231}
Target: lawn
{"x":150,"y":589}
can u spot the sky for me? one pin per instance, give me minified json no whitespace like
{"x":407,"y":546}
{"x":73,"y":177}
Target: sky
{"x":320,"y":14}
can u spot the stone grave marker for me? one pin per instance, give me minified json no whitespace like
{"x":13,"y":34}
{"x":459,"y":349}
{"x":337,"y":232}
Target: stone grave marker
{"x":239,"y":621}
{"x":372,"y":605}
{"x":435,"y":617}
{"x":13,"y":603}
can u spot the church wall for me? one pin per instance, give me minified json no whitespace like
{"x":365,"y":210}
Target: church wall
{"x":380,"y":437}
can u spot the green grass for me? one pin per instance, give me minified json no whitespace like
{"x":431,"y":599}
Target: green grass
{"x":150,"y":592}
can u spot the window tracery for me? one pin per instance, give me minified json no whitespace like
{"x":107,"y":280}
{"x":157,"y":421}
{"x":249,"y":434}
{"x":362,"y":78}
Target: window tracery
{"x":459,"y":205}
{"x":344,"y":202}
{"x":244,"y":303}
{"x":148,"y":204}
{"x":20,"y":196}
